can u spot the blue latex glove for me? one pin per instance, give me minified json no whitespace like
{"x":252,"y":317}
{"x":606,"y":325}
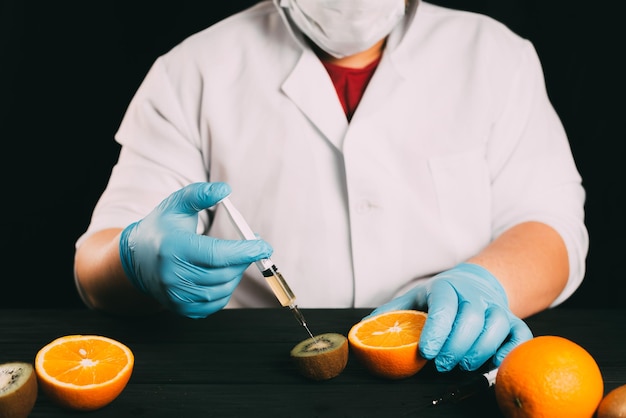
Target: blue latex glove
{"x":191,"y":274}
{"x":468,"y":321}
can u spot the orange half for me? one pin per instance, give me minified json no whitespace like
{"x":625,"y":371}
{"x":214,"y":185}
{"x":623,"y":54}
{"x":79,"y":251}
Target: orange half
{"x":84,"y":372}
{"x":387,"y":344}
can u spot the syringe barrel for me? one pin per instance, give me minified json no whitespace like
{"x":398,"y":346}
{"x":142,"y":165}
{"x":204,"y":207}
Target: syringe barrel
{"x":266,"y":266}
{"x":279,"y":286}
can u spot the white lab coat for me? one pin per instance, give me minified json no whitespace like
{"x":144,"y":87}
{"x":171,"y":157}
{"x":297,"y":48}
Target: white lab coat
{"x":454,"y":141}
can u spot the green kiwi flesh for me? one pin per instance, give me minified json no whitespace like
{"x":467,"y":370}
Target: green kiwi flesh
{"x":18,"y":389}
{"x":322,"y":357}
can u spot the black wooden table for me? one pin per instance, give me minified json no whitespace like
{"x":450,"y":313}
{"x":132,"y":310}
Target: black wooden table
{"x":236,"y":363}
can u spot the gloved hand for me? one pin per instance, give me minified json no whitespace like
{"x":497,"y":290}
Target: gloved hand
{"x":468,"y":318}
{"x":191,"y":274}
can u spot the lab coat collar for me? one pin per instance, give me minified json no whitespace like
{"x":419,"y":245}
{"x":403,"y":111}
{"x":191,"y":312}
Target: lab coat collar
{"x":395,"y":37}
{"x":309,"y":87}
{"x":320,"y":104}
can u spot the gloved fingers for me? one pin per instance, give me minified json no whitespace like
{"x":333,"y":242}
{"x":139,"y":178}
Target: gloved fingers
{"x":494,"y":332}
{"x":207,"y":251}
{"x":443,"y":305}
{"x":467,"y":326}
{"x":518,"y":334}
{"x":194,"y":198}
{"x":195,"y":295}
{"x":199,"y":280}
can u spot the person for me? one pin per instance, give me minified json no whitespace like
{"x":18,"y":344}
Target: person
{"x":389,"y":155}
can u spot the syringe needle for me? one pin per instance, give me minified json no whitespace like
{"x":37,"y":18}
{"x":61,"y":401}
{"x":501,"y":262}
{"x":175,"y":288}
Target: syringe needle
{"x":273,"y":277}
{"x":300,"y":319}
{"x":284,"y":294}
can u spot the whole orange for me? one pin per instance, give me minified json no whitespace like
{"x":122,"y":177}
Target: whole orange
{"x":549,"y":376}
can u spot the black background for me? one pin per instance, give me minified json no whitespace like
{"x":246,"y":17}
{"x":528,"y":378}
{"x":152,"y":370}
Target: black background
{"x":69,"y":69}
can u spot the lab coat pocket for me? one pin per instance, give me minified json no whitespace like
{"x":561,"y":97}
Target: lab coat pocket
{"x":462,"y":186}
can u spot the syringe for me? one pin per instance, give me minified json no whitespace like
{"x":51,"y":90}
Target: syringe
{"x":276,"y":281}
{"x":469,"y":388}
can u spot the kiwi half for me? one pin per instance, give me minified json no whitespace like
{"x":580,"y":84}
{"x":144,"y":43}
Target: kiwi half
{"x":322,"y":357}
{"x":18,"y":389}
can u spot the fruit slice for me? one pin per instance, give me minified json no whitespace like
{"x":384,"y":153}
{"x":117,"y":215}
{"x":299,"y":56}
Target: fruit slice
{"x":613,"y":405}
{"x":83,"y":372}
{"x":18,"y":389}
{"x":322,"y":357}
{"x":386,"y":344}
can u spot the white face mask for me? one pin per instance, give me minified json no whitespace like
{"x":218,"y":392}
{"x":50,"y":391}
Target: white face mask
{"x":345,"y":27}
